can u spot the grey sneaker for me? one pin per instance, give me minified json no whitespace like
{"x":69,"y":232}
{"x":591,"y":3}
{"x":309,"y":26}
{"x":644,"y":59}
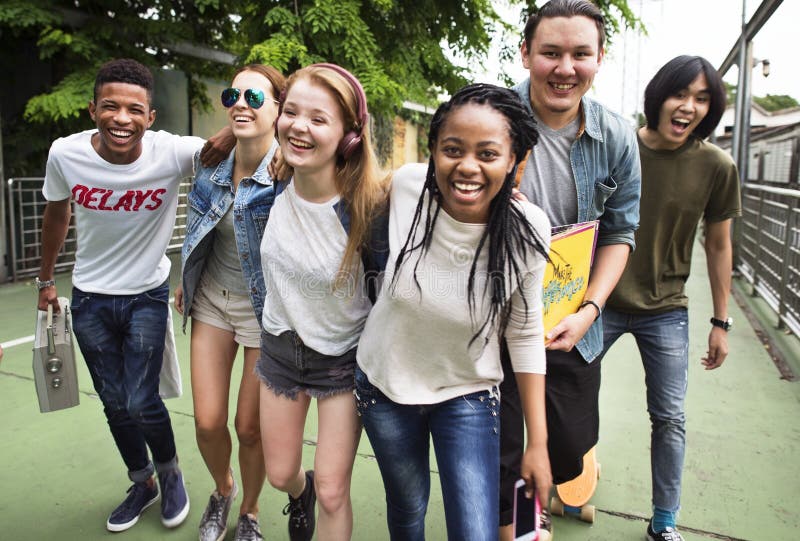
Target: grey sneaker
{"x":214,"y":522}
{"x":247,"y":529}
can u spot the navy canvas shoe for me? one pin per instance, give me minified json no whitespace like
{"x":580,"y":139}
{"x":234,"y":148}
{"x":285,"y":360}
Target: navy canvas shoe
{"x":140,"y":497}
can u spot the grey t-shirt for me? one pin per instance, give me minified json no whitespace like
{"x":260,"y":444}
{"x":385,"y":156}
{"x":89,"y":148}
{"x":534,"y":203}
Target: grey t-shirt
{"x":223,"y":263}
{"x":547,"y":179}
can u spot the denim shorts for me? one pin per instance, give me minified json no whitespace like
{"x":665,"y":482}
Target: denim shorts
{"x":287,"y":366}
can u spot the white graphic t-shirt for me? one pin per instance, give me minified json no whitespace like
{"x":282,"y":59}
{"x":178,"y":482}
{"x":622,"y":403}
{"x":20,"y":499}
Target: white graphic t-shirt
{"x":124,"y":214}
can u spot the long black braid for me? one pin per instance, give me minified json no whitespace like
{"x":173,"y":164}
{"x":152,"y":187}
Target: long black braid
{"x":510,"y":235}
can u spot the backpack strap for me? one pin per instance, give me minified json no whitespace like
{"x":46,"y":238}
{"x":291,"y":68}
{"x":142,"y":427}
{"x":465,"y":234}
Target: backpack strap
{"x":375,"y":252}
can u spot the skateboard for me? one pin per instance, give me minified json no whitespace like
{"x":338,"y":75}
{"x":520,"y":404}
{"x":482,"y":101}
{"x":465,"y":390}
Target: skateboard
{"x":573,"y":496}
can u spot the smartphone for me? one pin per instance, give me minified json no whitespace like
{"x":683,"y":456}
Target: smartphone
{"x":526,"y":514}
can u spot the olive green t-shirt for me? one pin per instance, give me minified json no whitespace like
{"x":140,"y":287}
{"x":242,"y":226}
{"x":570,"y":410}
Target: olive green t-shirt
{"x":679,"y":188}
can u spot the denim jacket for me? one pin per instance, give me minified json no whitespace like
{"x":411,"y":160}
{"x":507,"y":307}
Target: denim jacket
{"x":208,"y":201}
{"x":608,"y":178}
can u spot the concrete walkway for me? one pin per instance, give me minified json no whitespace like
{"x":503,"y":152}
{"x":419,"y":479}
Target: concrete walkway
{"x":60,"y":474}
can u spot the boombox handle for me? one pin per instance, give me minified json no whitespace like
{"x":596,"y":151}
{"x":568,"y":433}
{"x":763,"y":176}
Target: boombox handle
{"x":51,"y":340}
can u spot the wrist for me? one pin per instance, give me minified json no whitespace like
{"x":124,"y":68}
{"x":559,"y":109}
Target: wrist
{"x":536,"y":444}
{"x":725,"y":324}
{"x":44,"y":284}
{"x":594,"y":305}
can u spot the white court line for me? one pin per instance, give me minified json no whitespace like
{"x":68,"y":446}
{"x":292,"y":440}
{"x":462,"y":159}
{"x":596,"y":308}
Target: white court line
{"x":18,"y":341}
{"x":31,"y":338}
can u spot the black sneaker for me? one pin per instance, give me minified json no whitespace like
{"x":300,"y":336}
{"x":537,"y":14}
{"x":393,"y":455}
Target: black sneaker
{"x":247,"y":529}
{"x":670,"y":534}
{"x":301,"y":512}
{"x":140,"y":497}
{"x":175,"y":500}
{"x":545,"y":526}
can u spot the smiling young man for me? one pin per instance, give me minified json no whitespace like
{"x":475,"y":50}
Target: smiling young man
{"x":684,"y":180}
{"x":584,"y":167}
{"x":123,"y":180}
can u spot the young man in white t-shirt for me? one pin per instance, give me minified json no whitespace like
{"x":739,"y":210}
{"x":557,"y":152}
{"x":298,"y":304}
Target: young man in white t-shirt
{"x":124,"y":182}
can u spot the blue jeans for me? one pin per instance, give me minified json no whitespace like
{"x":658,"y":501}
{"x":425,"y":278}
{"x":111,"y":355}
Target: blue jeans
{"x":663,"y":341}
{"x":465,"y":433}
{"x":121,"y":338}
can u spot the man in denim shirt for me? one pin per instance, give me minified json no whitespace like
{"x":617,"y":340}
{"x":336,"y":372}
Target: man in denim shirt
{"x":584,"y":167}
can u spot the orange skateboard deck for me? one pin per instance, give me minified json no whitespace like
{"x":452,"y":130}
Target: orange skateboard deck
{"x":573,"y":496}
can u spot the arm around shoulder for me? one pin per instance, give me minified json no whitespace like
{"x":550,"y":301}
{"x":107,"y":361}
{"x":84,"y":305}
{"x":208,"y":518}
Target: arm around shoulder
{"x":217,"y":147}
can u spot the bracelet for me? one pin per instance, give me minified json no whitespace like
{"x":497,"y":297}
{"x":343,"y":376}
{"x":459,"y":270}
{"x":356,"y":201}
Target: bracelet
{"x":42,"y":284}
{"x":587,"y":303}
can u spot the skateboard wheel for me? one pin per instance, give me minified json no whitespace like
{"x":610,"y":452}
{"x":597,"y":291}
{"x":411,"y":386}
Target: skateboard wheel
{"x":556,"y":506}
{"x":587,"y":513}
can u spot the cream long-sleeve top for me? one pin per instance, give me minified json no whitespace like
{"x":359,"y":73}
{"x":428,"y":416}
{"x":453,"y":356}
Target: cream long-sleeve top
{"x":417,"y":346}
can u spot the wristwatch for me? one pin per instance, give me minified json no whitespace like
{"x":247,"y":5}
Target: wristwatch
{"x":724,"y":324}
{"x":41,"y":284}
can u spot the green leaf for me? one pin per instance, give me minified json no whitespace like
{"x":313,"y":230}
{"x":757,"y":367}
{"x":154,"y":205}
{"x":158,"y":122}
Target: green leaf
{"x":67,"y":100}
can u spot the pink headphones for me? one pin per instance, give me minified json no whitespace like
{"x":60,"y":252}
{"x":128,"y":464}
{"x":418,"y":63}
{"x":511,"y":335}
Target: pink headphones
{"x":352,"y":139}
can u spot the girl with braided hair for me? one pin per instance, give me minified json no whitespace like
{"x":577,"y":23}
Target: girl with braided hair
{"x":465,"y":270}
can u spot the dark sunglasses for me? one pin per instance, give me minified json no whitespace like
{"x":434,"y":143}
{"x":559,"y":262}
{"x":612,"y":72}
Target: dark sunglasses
{"x":253,"y":96}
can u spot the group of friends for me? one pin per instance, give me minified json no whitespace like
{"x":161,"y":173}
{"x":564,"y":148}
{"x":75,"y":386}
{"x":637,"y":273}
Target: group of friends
{"x":407,"y":303}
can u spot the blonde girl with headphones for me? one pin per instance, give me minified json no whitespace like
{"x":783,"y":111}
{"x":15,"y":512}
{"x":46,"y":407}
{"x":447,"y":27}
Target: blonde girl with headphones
{"x":316,"y":300}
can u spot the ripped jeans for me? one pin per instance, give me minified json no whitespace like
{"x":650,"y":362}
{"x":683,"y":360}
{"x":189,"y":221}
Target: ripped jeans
{"x":465,"y":433}
{"x":121,"y":338}
{"x":663,"y":342}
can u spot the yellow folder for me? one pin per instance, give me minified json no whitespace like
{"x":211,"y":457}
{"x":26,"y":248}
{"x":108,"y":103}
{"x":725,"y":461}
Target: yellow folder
{"x":567,"y":274}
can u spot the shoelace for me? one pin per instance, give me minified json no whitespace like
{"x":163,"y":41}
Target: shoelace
{"x":247,"y":529}
{"x":216,"y":505}
{"x":544,"y":520}
{"x":296,"y":512}
{"x":135,"y":491}
{"x":671,"y":535}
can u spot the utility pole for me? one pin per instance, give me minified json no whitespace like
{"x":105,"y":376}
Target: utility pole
{"x":739,"y":117}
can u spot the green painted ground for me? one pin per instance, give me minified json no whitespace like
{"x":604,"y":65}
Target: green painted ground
{"x":60,"y":474}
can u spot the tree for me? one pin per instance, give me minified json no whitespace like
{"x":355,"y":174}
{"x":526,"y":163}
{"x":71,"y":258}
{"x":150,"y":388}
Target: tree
{"x":57,"y":49}
{"x":775,"y":102}
{"x":730,"y":93}
{"x":399,"y":49}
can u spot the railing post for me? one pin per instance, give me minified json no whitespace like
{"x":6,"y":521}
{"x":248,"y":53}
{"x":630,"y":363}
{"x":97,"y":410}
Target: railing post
{"x":787,"y":251}
{"x":12,"y":245}
{"x":757,"y":258}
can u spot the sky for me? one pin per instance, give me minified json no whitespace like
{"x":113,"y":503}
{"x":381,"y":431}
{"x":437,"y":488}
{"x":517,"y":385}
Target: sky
{"x":707,"y":28}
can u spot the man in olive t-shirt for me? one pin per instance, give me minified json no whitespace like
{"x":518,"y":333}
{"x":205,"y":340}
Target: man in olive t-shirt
{"x":684,"y":180}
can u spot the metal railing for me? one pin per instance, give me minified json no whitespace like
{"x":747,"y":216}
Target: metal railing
{"x":769,"y":249}
{"x":26,"y":209}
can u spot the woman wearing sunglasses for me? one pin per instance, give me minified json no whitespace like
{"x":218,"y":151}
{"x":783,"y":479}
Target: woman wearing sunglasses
{"x":223,"y":291}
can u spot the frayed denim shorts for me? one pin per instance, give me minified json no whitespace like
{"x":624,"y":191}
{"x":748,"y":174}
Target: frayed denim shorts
{"x":287,"y":367}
